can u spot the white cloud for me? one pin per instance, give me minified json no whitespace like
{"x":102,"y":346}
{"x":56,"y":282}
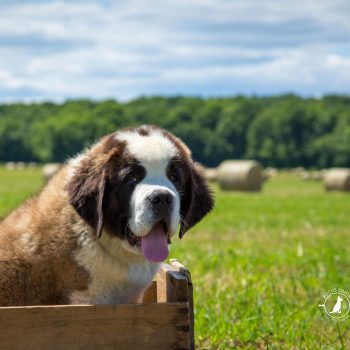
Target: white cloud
{"x":122,"y":49}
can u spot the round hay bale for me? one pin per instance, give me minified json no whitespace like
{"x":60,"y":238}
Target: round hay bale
{"x":20,"y":165}
{"x":50,"y":169}
{"x":32,"y":165}
{"x":269,"y":173}
{"x":298,"y":170}
{"x":240,"y":175}
{"x":337,"y":179}
{"x":312,"y":175}
{"x":306,"y":175}
{"x":10,"y":165}
{"x":211,"y":174}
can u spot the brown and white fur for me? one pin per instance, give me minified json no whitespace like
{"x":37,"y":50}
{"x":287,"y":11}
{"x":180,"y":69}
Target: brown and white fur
{"x":75,"y":241}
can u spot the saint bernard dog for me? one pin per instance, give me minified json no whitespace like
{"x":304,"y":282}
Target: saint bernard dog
{"x":98,"y":231}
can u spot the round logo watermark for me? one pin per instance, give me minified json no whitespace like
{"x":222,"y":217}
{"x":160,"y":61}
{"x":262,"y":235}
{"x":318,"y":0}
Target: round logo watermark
{"x":335,"y":305}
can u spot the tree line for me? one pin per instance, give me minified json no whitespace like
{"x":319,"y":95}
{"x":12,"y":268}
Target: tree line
{"x":284,"y":131}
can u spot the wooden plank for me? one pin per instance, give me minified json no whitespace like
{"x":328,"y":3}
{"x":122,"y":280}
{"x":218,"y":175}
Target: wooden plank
{"x":150,"y":294}
{"x":177,"y":287}
{"x":89,"y":327}
{"x":161,"y":286}
{"x":181,"y":268}
{"x":174,"y":284}
{"x":184,"y":271}
{"x":171,"y":285}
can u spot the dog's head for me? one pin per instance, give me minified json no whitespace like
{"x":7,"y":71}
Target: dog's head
{"x":139,"y":184}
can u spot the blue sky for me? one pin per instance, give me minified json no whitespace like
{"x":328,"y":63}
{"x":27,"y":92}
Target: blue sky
{"x":54,"y":50}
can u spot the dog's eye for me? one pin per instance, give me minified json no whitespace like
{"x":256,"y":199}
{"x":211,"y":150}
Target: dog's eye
{"x":131,"y":179}
{"x":174,"y":178}
{"x":133,"y":175}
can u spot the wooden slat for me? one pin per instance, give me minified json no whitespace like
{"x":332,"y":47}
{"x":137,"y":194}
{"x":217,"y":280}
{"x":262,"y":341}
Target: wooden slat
{"x":174,"y":284}
{"x":182,"y":269}
{"x":88,"y":327}
{"x":150,"y":294}
{"x":161,"y":286}
{"x":171,"y":285}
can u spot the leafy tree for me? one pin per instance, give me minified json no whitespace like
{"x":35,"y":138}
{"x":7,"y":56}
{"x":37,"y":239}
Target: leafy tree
{"x":282,"y":131}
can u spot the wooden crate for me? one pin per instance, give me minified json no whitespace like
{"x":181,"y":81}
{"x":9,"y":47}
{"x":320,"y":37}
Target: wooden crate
{"x":164,"y":320}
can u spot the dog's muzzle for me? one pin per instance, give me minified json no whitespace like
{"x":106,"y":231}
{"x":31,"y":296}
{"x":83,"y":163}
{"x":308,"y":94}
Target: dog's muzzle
{"x":161,"y":203}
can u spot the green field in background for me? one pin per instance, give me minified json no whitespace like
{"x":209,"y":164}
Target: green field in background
{"x":16,"y":186}
{"x":260,"y":263}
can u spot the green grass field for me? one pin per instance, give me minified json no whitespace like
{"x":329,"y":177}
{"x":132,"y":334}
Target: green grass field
{"x":260,"y":263}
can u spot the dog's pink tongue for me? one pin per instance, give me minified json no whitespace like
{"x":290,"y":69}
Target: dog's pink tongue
{"x":154,"y":246}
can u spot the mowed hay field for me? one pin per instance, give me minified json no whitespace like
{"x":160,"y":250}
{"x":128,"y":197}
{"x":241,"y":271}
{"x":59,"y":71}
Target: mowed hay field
{"x":260,"y":263}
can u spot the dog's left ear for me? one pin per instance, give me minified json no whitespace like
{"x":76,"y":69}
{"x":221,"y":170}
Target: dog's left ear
{"x":86,"y":189}
{"x":197,"y":200}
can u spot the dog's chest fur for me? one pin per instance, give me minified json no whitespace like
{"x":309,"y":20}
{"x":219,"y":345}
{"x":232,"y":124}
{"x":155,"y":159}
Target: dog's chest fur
{"x":115,"y":276}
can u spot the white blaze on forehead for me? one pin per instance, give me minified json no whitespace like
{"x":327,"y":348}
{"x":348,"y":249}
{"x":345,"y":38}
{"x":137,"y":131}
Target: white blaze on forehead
{"x":151,"y":148}
{"x":153,"y":151}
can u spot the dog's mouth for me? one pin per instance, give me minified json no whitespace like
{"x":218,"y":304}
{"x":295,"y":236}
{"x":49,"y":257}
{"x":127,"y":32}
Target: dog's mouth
{"x":136,"y":240}
{"x":154,"y":245}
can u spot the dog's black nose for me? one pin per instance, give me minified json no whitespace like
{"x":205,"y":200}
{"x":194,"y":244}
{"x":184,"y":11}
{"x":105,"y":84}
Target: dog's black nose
{"x":160,"y":198}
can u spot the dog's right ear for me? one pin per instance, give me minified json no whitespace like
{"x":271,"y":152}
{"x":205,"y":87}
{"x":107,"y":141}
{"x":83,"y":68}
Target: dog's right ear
{"x":86,"y":189}
{"x":88,"y":178}
{"x":197,"y":201}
